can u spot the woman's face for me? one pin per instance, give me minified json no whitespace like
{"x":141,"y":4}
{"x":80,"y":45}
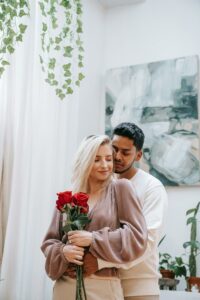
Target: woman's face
{"x":103,"y":164}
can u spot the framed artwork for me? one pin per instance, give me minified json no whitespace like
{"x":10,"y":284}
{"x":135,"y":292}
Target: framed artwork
{"x":162,"y":99}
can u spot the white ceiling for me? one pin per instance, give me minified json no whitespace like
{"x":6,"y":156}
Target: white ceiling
{"x":113,"y":3}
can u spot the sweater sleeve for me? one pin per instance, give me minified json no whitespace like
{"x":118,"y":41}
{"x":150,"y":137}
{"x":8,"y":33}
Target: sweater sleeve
{"x":128,"y":242}
{"x":52,"y":247}
{"x":154,"y":209}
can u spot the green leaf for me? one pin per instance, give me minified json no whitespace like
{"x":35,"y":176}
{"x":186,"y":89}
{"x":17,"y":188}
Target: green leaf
{"x":54,"y":22}
{"x":80,"y":76}
{"x":81,"y":49}
{"x":80,"y":57}
{"x":68,"y":81}
{"x":193,"y":244}
{"x":55,"y":82}
{"x":57,"y":48}
{"x":19,"y":38}
{"x":62,"y":96}
{"x":66,"y":67}
{"x":42,"y":7}
{"x":41,"y":59}
{"x":51,"y":76}
{"x":66,"y":4}
{"x":58,"y":40}
{"x":44,"y":27}
{"x":69,"y":90}
{"x":22,"y":13}
{"x":11,"y":33}
{"x":191,"y":220}
{"x":10,"y":49}
{"x":67,"y":228}
{"x":80,"y":64}
{"x":79,"y":10}
{"x":3,"y":50}
{"x":179,"y":260}
{"x":48,"y":81}
{"x":1,"y":70}
{"x":52,"y":63}
{"x":65,"y":31}
{"x":58,"y":91}
{"x":7,"y":41}
{"x":77,"y":82}
{"x":79,"y":30}
{"x":68,"y":51}
{"x":22,"y":28}
{"x":5,"y":62}
{"x":67,"y":73}
{"x":23,"y":3}
{"x":189,"y":211}
{"x":65,"y":86}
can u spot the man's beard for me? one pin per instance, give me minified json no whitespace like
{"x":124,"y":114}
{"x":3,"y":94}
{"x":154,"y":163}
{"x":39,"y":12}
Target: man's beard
{"x":123,"y":170}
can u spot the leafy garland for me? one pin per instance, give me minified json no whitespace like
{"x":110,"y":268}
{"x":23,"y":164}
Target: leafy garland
{"x":11,"y":27}
{"x":61,"y":38}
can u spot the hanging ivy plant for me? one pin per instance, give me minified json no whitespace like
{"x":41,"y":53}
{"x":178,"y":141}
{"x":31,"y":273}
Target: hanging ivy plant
{"x":12,"y":27}
{"x":62,"y":47}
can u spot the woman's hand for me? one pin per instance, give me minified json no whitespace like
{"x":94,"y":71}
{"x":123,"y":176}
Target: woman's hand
{"x":80,"y":238}
{"x":73,"y":254}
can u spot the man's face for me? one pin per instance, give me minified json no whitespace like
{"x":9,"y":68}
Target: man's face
{"x":125,"y":153}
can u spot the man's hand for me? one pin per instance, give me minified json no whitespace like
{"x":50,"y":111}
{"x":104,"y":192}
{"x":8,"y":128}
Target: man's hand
{"x":90,"y":266}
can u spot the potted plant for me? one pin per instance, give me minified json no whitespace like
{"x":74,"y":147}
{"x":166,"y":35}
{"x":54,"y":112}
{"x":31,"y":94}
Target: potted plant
{"x":194,"y":247}
{"x":171,"y":267}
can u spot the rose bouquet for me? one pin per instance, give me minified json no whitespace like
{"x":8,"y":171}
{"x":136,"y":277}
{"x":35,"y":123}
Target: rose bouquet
{"x":74,"y":209}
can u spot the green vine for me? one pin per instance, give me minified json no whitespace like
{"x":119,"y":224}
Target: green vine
{"x":62,"y":47}
{"x":12,"y":28}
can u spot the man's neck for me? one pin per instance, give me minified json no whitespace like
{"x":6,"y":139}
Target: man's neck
{"x":128,"y":174}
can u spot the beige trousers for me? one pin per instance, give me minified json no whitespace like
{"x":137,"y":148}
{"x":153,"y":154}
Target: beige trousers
{"x":96,"y":289}
{"x":142,"y":298}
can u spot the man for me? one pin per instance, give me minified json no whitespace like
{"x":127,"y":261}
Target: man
{"x":140,"y":277}
{"x":140,"y":282}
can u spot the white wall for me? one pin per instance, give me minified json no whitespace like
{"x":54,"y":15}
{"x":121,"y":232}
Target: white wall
{"x":152,"y":31}
{"x":92,"y":86}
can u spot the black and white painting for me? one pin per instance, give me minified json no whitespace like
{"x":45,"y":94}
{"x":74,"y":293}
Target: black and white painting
{"x":161,"y":98}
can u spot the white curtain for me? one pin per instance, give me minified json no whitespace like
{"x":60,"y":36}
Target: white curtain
{"x":38,"y":136}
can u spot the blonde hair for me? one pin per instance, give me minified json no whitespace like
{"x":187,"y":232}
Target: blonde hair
{"x":84,"y":160}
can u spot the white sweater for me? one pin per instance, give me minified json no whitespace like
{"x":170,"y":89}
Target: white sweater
{"x":140,"y":277}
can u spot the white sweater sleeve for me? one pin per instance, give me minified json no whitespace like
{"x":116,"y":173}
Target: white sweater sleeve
{"x":154,"y":210}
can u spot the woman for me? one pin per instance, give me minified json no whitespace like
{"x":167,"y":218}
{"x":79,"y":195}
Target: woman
{"x":116,"y":233}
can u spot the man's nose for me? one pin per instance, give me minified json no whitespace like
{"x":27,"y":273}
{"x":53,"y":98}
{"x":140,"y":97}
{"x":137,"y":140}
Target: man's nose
{"x":118,"y":155}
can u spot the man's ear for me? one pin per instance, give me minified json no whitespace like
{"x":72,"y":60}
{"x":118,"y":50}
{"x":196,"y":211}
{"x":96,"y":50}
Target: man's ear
{"x":138,"y":155}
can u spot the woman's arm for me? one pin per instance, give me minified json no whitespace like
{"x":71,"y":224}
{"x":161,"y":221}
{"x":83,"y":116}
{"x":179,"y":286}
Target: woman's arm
{"x":124,"y":244}
{"x":58,"y":254}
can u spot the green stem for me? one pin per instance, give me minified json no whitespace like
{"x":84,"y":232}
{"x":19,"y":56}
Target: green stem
{"x":80,"y":284}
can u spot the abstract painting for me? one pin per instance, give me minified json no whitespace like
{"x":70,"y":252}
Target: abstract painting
{"x":161,"y":98}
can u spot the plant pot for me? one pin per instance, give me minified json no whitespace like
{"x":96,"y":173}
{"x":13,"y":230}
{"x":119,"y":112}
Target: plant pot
{"x":193,"y":281}
{"x":167,"y":273}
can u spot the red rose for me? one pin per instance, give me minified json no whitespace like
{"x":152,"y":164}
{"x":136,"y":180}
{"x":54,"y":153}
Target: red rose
{"x":84,"y":210}
{"x":63,"y":198}
{"x":80,"y":199}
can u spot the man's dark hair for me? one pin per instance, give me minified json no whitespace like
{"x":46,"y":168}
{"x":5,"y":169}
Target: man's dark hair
{"x":131,"y":131}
